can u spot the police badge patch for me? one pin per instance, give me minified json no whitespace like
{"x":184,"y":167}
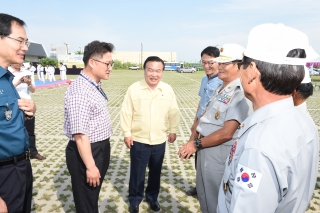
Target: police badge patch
{"x":232,"y":151}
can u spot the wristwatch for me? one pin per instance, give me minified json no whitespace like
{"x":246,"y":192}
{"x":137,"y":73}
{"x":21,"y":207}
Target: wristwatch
{"x":197,"y":143}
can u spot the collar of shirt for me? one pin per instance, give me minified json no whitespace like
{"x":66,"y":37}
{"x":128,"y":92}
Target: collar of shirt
{"x":212,"y":77}
{"x":265,"y":112}
{"x":4,"y":72}
{"x":92,"y":81}
{"x":231,"y":86}
{"x":144,"y":85}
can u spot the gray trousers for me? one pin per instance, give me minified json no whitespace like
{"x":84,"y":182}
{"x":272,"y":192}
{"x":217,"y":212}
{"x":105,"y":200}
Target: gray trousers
{"x":210,"y":168}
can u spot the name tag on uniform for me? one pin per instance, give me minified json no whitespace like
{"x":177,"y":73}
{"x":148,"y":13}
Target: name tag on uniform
{"x":224,"y":98}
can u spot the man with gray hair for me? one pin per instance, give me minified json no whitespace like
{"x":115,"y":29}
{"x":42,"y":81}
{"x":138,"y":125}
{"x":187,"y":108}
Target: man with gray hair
{"x":273,"y":164}
{"x":15,"y":168}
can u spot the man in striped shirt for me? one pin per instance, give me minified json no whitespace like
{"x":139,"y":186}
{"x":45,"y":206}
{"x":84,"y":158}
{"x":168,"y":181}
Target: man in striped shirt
{"x":88,"y":127}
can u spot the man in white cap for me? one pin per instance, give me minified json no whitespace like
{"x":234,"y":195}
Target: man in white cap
{"x":217,"y":128}
{"x":273,"y":165}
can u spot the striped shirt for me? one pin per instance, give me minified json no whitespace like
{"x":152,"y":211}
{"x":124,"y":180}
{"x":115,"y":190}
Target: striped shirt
{"x":85,"y":110}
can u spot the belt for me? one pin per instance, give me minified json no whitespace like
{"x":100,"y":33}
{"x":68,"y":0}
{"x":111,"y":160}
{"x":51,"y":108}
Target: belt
{"x":15,"y":159}
{"x":200,"y":136}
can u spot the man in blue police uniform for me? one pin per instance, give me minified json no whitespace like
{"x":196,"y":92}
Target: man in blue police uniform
{"x":15,"y":168}
{"x":273,"y":165}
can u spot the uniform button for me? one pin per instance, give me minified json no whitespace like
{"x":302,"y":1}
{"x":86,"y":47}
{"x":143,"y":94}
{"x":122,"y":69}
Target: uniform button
{"x":243,"y":125}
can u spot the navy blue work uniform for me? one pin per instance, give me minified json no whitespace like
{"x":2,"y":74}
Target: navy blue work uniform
{"x":15,"y":168}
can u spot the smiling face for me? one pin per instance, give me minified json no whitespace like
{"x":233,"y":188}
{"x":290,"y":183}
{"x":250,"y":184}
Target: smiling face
{"x":209,"y":65}
{"x":153,"y":73}
{"x":11,"y":51}
{"x":228,"y":72}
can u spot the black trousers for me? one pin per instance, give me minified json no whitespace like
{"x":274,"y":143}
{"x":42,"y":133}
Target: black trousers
{"x":142,"y":155}
{"x":29,"y":124}
{"x":16,"y":184}
{"x":86,"y":196}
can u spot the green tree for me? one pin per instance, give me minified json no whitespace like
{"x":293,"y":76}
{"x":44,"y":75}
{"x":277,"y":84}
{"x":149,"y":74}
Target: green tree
{"x":117,"y":64}
{"x":49,"y":61}
{"x":186,"y":64}
{"x":78,"y":52}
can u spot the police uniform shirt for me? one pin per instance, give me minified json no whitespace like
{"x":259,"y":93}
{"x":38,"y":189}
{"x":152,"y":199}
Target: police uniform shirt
{"x":207,"y":88}
{"x":13,"y":138}
{"x":227,"y":104}
{"x":273,"y":165}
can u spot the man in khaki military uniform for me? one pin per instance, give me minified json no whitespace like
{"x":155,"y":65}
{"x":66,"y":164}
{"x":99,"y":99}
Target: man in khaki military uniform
{"x":217,"y":128}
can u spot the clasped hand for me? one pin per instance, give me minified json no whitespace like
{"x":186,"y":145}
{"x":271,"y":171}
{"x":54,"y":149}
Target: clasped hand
{"x":187,"y":150}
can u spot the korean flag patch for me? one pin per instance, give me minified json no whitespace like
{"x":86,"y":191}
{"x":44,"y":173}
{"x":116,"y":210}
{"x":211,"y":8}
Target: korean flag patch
{"x":248,"y":178}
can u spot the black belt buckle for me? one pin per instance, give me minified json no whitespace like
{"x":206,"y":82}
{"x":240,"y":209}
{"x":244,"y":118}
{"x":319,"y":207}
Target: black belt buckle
{"x":27,"y":155}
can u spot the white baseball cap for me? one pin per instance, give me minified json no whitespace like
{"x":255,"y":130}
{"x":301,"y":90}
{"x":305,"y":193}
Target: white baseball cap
{"x":230,"y":52}
{"x":272,"y":42}
{"x":306,"y":78}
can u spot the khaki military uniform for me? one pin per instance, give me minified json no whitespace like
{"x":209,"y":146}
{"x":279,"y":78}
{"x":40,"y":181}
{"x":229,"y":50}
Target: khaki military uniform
{"x":225,"y":105}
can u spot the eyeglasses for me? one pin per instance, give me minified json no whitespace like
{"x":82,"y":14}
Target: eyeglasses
{"x":22,"y":42}
{"x":223,"y":65}
{"x":109,"y":65}
{"x":210,"y":63}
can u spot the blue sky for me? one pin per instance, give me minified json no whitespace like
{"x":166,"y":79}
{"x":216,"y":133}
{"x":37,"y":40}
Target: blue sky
{"x":185,"y":27}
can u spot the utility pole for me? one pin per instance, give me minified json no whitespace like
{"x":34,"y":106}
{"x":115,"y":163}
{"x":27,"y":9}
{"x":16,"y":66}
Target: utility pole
{"x":67,"y":48}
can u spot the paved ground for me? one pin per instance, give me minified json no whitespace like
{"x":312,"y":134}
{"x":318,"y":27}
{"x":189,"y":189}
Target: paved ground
{"x":52,"y":188}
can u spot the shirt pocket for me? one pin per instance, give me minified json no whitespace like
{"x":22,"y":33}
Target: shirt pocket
{"x":219,"y":113}
{"x":162,"y":107}
{"x":7,"y":103}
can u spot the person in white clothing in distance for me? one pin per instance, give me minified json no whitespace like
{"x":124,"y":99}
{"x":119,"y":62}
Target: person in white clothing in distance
{"x":24,"y":85}
{"x":63,"y":72}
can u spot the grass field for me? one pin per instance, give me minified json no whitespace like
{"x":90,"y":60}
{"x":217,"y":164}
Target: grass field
{"x":52,"y":188}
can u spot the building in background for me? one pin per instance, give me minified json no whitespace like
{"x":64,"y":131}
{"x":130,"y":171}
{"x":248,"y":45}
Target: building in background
{"x":124,"y":57}
{"x":35,"y":52}
{"x":135,"y":57}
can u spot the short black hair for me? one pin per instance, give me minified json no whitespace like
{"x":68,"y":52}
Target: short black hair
{"x":96,"y":48}
{"x":153,"y":58}
{"x":280,"y":79}
{"x":305,"y":90}
{"x":211,"y":51}
{"x":6,"y":22}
